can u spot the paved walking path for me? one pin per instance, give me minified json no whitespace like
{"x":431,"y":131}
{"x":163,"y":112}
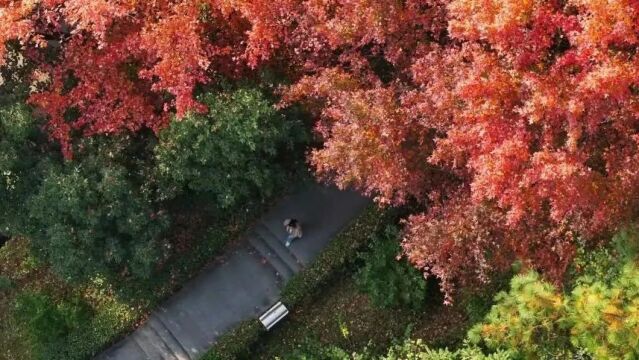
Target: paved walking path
{"x":246,"y":284}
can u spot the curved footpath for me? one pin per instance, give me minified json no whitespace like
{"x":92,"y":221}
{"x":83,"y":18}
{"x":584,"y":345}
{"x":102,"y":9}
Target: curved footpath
{"x":246,"y":283}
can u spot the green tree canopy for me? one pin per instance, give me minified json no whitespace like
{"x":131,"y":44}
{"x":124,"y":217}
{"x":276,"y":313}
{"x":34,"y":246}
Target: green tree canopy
{"x":388,"y":281}
{"x":91,"y":216}
{"x":227,"y":153}
{"x":21,"y":155}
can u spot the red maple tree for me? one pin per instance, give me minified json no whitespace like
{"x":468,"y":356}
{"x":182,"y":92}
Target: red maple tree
{"x":528,"y":108}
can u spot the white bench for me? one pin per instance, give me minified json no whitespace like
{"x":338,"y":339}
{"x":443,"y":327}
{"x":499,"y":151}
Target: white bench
{"x":273,"y":315}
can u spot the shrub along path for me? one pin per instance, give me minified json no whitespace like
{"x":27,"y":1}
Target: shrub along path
{"x":245,"y":283}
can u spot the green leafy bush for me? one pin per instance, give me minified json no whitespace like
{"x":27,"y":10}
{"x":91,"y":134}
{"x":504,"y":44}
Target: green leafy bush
{"x":417,"y":350}
{"x":91,"y":217}
{"x":477,"y":306}
{"x":313,"y":350}
{"x":593,"y":265}
{"x":20,"y":155}
{"x":605,"y":264}
{"x":626,"y":244}
{"x":5,"y":283}
{"x":477,"y":302}
{"x":389,"y":281}
{"x":228,"y":154}
{"x":48,"y":323}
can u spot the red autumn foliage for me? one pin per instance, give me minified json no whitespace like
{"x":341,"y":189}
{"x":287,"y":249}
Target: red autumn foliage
{"x":516,"y":122}
{"x":124,"y":56}
{"x":529,"y":110}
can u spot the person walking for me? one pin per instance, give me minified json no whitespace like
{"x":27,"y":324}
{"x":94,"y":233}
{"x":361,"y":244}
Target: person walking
{"x":294,"y":230}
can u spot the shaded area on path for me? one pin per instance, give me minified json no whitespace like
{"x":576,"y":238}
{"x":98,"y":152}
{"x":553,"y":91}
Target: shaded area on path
{"x":246,"y":284}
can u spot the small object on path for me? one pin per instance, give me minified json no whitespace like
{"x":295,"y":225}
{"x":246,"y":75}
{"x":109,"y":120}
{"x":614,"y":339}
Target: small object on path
{"x":294,"y":230}
{"x":273,"y":315}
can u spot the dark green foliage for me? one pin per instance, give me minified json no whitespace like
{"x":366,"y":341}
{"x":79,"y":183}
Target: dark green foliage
{"x":20,"y":158}
{"x":89,"y":216}
{"x":342,"y":249}
{"x":48,"y":323}
{"x":18,"y":133}
{"x":477,"y":306}
{"x":228,"y":154}
{"x":416,"y":349}
{"x":42,"y":317}
{"x":22,"y":140}
{"x":626,"y":243}
{"x":387,"y":280}
{"x":477,"y":302}
{"x":237,"y":343}
{"x":594,"y":265}
{"x":5,"y":283}
{"x":604,"y":264}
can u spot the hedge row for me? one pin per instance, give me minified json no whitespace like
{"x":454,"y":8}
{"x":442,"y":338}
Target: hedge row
{"x":237,"y":343}
{"x":343,"y":249}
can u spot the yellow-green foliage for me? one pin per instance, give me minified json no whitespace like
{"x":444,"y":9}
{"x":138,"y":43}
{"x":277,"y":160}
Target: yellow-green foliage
{"x":599,"y":317}
{"x":606,"y":317}
{"x":530,"y":318}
